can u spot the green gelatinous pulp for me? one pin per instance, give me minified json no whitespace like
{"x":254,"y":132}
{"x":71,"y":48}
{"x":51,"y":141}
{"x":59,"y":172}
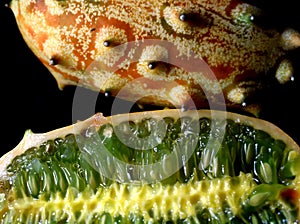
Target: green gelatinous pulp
{"x":49,"y":171}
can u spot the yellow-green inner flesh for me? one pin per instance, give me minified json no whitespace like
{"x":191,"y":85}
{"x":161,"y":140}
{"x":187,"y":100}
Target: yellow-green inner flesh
{"x":178,"y":201}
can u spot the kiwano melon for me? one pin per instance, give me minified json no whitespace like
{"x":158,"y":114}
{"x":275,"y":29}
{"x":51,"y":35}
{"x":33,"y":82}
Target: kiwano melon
{"x":163,"y":52}
{"x":165,"y":166}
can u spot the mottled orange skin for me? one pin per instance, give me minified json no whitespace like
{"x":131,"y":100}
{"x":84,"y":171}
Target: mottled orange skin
{"x":68,"y":37}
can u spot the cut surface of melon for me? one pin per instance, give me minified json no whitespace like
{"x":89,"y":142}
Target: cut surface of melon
{"x":153,"y":167}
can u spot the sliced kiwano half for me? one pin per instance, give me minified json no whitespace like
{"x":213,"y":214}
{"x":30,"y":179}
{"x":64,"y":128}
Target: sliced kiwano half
{"x":163,"y":166}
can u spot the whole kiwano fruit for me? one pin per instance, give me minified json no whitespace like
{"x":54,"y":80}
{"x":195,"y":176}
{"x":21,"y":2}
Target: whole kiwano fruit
{"x":168,"y":53}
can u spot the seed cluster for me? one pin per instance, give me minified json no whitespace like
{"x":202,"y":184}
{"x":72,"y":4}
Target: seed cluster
{"x":76,"y":165}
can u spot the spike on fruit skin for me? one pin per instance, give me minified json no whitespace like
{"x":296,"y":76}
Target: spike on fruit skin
{"x":50,"y":177}
{"x":106,"y":43}
{"x":224,"y":34}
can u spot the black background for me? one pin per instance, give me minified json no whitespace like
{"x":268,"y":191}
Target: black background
{"x":30,"y":98}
